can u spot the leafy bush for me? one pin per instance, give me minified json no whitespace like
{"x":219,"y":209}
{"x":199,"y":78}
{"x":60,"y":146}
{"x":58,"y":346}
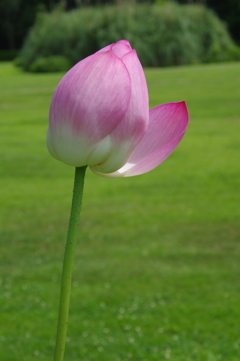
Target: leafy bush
{"x":50,"y":64}
{"x":162,"y":35}
{"x":216,"y":44}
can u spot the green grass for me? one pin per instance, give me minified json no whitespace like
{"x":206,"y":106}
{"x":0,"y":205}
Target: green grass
{"x":156,"y":273}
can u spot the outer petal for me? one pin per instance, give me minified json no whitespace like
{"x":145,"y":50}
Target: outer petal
{"x":167,"y":126}
{"x":89,"y":102}
{"x":121,"y":48}
{"x":133,"y":126}
{"x":116,"y":45}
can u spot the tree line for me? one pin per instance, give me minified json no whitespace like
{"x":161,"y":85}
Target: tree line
{"x":17,"y":16}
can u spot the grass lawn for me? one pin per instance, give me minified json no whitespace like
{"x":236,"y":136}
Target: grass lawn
{"x":157,"y":266}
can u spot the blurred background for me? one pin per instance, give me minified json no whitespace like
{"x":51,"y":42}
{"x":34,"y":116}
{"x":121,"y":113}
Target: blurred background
{"x":32,"y":31}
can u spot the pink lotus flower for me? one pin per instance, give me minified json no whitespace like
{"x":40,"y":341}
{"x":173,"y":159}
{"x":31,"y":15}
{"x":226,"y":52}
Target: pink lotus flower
{"x":99,"y":116}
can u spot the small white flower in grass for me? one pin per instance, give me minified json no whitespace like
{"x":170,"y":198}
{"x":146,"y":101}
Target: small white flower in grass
{"x":138,"y":329}
{"x":167,"y":353}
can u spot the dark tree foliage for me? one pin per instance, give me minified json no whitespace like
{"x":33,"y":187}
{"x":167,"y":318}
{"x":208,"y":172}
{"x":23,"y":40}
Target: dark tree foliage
{"x":17,"y":16}
{"x":227,"y":10}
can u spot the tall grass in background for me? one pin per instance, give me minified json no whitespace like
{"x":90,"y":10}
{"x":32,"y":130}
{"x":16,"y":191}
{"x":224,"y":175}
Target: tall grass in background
{"x":164,"y":35}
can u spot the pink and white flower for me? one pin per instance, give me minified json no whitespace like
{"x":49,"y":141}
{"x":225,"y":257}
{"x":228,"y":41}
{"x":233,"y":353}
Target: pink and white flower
{"x":99,"y":116}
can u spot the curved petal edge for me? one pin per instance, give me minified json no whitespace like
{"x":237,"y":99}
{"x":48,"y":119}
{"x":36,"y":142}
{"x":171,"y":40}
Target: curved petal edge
{"x":167,"y":126}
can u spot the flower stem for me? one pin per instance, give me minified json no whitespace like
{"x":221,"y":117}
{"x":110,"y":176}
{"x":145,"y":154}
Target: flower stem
{"x":67,"y":263}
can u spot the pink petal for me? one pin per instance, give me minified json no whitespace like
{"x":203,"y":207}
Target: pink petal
{"x":167,"y":126}
{"x":124,"y":41}
{"x":121,"y":44}
{"x":93,"y":97}
{"x":135,"y":122}
{"x":167,"y":122}
{"x":121,"y":48}
{"x":131,"y":129}
{"x":106,"y":48}
{"x":154,"y":159}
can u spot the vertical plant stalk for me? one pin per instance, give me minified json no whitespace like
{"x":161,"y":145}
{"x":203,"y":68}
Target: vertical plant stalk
{"x":68,"y":262}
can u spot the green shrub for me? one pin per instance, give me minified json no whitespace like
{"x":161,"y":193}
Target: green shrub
{"x":50,"y":64}
{"x":162,"y":35}
{"x":215,"y":41}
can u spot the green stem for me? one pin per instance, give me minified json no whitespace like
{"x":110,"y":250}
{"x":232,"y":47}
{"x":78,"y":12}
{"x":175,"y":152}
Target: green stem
{"x":67,"y":263}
